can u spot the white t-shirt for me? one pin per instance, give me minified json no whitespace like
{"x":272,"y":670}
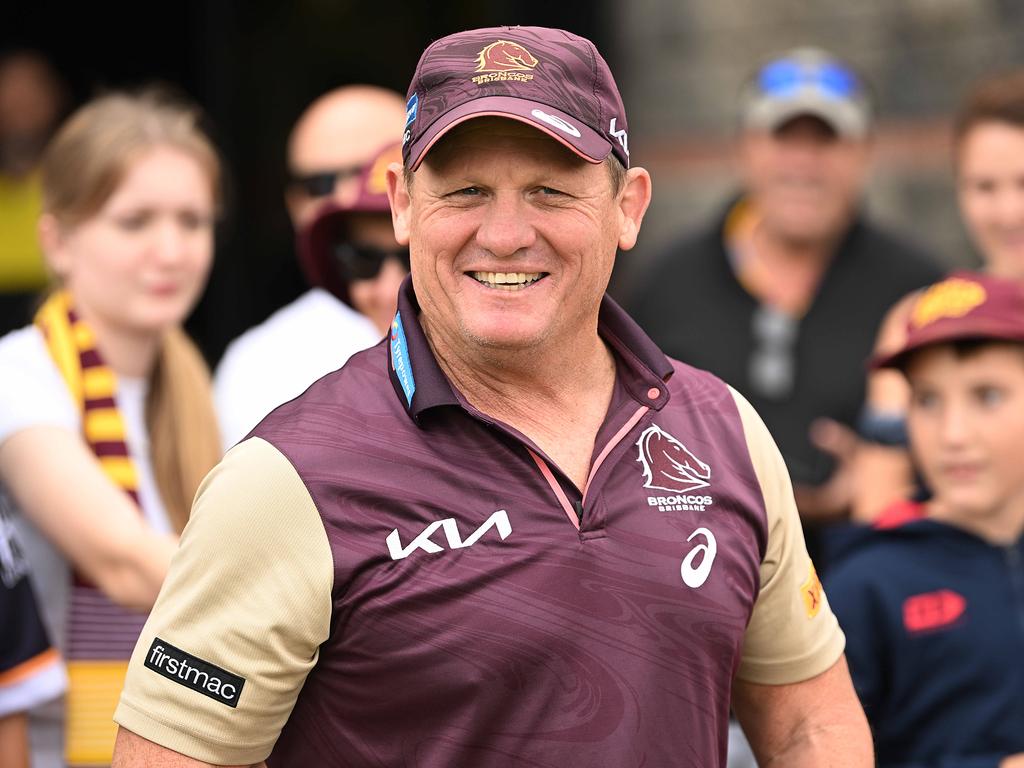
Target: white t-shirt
{"x":32,"y":393}
{"x":277,"y":360}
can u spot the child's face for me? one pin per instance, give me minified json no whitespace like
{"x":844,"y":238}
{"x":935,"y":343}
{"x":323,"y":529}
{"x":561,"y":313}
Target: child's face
{"x":966,"y":424}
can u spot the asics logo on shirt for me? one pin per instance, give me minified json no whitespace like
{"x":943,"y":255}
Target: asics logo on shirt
{"x":452,"y":536}
{"x":695,"y":575}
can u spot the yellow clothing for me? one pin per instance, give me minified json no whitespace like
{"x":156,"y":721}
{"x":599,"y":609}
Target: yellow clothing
{"x":21,"y":259}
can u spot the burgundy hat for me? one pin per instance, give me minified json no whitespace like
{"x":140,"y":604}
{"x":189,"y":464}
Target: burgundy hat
{"x":550,"y":79}
{"x":317,"y":238}
{"x":966,"y":305}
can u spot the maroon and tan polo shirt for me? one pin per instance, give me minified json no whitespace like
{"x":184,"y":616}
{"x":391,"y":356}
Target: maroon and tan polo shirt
{"x":381,"y":575}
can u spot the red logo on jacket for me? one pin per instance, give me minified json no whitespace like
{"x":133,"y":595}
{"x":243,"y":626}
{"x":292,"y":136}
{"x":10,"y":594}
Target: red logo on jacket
{"x":932,"y":610}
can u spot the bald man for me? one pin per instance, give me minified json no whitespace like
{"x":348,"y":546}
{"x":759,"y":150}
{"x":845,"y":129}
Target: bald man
{"x":338,"y":154}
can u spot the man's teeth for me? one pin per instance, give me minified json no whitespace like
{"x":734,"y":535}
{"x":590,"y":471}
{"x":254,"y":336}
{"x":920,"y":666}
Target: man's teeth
{"x":507,"y":281}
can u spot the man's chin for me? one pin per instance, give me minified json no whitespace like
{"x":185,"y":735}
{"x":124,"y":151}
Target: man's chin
{"x":503,"y":337}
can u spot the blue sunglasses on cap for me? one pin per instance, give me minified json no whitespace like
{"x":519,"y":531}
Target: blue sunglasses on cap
{"x":785,"y":77}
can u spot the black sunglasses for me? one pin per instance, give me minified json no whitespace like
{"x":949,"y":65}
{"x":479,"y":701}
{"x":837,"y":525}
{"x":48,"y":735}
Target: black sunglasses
{"x":322,"y":183}
{"x":364,"y":262}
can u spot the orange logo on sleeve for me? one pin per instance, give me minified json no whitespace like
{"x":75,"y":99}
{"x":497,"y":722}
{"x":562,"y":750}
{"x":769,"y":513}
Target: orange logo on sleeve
{"x":811,"y":593}
{"x":950,"y":298}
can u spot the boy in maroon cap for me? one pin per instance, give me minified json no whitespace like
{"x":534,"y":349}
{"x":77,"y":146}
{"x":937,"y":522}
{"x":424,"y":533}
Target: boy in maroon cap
{"x":515,"y":533}
{"x":932,"y":603}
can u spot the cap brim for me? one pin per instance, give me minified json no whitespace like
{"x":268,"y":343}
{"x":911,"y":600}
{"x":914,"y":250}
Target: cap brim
{"x":982,"y":329}
{"x":580,"y":139}
{"x":844,"y":117}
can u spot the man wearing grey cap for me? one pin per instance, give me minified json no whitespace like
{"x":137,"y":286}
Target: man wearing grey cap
{"x":515,"y":533}
{"x":781,"y":295}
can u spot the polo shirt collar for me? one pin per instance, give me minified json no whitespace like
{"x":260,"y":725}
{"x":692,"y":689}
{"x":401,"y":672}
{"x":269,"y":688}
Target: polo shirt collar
{"x":420,"y":384}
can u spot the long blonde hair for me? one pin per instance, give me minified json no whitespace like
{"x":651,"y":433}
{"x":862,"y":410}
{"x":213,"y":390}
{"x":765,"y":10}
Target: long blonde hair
{"x":81,"y":169}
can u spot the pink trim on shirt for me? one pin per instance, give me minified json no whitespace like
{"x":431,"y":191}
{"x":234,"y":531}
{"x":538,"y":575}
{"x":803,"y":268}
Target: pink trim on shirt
{"x":559,"y":493}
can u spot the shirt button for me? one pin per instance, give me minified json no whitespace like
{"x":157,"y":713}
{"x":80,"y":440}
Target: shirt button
{"x":653,"y":393}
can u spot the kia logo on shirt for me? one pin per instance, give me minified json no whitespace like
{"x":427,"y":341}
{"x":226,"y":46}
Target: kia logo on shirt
{"x":453,"y":537}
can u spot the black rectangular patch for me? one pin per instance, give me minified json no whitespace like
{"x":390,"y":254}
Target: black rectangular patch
{"x":194,"y":673}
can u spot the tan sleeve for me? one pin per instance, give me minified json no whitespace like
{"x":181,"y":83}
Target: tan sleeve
{"x":793,"y":634}
{"x":248,"y":592}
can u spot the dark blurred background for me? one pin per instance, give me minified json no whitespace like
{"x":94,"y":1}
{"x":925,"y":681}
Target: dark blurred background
{"x":254,"y":65}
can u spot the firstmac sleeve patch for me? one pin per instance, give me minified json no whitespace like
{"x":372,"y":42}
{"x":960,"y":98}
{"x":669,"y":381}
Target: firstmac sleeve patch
{"x":194,"y":673}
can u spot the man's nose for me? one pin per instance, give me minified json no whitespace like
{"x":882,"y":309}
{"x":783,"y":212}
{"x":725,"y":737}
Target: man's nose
{"x":504,"y":228}
{"x":346,"y":192}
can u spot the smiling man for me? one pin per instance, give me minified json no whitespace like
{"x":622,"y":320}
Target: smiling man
{"x":515,"y":534}
{"x":782,"y":293}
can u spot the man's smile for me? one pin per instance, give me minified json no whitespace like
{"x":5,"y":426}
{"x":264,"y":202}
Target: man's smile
{"x":507,"y":281}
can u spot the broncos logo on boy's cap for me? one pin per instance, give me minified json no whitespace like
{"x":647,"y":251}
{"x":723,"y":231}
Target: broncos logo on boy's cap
{"x":505,"y":56}
{"x":950,"y":298}
{"x":966,"y":305}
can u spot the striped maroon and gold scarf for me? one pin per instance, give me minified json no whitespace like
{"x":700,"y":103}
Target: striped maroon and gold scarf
{"x":101,"y":635}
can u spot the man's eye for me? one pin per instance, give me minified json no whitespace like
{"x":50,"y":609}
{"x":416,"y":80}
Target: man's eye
{"x":467,"y":192}
{"x":551,"y":191}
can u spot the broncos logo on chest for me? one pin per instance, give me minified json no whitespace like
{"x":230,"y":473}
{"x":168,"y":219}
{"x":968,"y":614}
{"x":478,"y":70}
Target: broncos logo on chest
{"x":505,"y":56}
{"x":668,"y":465}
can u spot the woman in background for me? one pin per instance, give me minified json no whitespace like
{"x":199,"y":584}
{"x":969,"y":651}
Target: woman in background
{"x":988,"y":157}
{"x":106,"y":421}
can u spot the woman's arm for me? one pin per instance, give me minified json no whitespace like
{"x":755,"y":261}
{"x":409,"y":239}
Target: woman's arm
{"x":14,"y":741}
{"x":60,"y":486}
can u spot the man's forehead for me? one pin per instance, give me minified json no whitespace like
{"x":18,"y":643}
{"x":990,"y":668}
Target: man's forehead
{"x":344,"y":131}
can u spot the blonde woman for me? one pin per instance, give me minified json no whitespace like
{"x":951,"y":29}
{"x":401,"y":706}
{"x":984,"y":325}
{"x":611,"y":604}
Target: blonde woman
{"x":106,"y":422}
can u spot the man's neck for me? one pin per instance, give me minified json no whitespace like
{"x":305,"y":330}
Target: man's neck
{"x":557,"y":395}
{"x":781,"y":271}
{"x":798,"y":253}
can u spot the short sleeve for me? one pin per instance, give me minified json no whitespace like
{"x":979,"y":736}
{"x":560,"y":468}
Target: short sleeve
{"x":32,"y":392}
{"x":31,"y":672}
{"x":793,"y":634}
{"x":240,"y":617}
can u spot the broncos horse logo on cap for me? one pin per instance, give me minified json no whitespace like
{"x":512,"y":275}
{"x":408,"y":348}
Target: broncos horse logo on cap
{"x":668,"y":464}
{"x":505,"y":56}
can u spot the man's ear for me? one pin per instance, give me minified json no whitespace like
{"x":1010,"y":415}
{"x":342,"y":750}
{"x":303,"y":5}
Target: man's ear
{"x":401,"y":202}
{"x":633,"y":201}
{"x":52,"y":239}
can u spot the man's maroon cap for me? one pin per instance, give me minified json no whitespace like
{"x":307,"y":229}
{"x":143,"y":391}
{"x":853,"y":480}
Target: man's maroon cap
{"x":316,"y":240}
{"x":550,"y":79}
{"x":966,"y":305}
